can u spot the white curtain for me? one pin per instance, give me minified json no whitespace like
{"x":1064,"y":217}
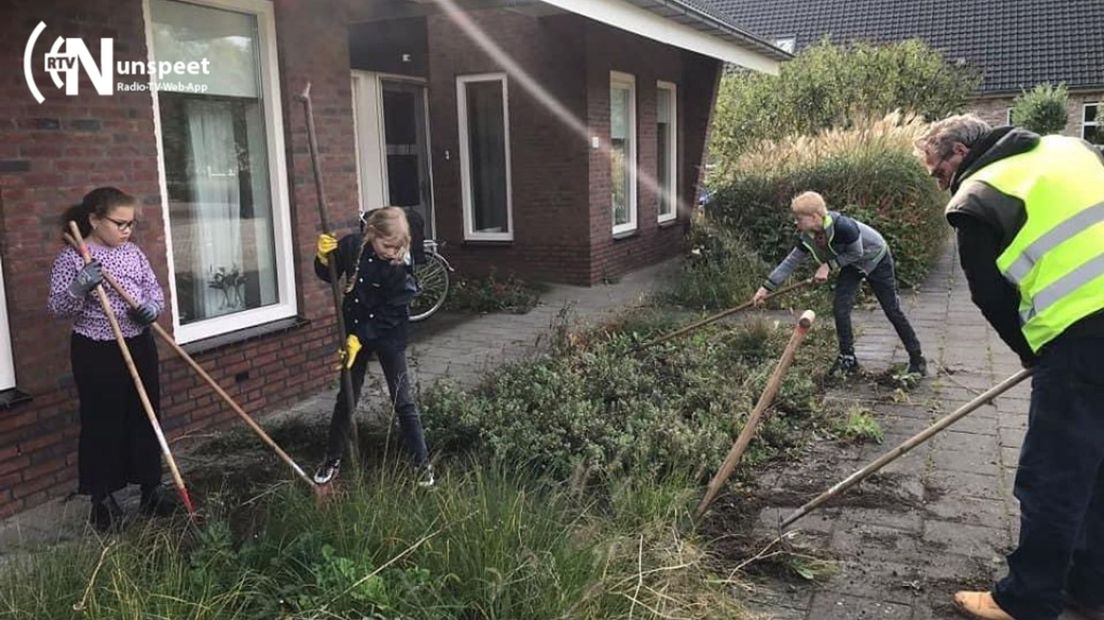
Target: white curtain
{"x":219,"y":275}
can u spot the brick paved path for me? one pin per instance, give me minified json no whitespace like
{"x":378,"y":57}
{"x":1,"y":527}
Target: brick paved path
{"x":952,"y":516}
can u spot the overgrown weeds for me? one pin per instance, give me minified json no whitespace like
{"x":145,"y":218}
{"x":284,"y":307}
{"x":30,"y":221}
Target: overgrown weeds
{"x":493,"y":294}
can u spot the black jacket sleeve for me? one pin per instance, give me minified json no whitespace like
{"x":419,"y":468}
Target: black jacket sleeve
{"x":347,"y":253}
{"x":998,"y":300}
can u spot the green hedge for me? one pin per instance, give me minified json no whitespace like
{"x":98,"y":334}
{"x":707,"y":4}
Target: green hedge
{"x":868,"y":172}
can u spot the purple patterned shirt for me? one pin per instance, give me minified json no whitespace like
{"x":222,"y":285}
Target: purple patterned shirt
{"x":130,"y":268}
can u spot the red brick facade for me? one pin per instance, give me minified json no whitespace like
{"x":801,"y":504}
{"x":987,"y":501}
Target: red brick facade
{"x":561,"y":194}
{"x":53,"y":153}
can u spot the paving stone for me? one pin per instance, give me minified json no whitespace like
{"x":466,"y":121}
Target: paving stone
{"x":985,"y":462}
{"x":968,"y":540}
{"x":969,"y":510}
{"x":839,"y":606}
{"x":963,"y":484}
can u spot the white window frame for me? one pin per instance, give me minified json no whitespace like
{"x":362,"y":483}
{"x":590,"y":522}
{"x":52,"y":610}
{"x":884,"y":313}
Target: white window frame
{"x":470,"y":234}
{"x":618,"y":78}
{"x":673,"y":152}
{"x":7,"y":366}
{"x":286,"y":305}
{"x":373,"y":185}
{"x":1099,"y":105}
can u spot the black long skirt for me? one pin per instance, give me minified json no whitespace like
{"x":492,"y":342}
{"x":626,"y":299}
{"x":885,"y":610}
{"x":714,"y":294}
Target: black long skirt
{"x":117,"y":445}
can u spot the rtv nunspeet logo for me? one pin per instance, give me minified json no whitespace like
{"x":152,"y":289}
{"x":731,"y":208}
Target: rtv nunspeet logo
{"x":67,"y":56}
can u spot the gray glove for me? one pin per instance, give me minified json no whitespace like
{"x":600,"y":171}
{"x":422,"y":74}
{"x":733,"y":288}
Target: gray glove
{"x":87,"y":278}
{"x":145,"y":313}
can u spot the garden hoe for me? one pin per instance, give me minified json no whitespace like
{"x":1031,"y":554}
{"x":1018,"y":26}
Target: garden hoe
{"x":773,"y":384}
{"x":157,"y":329}
{"x":138,"y":386}
{"x":720,"y":315}
{"x":335,"y":286}
{"x":900,"y":450}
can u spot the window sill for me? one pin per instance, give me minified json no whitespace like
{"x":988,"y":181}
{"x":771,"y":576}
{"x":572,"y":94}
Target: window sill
{"x":628,"y":234}
{"x":11,"y":397}
{"x":244,"y":335}
{"x":488,"y":242}
{"x":668,"y":223}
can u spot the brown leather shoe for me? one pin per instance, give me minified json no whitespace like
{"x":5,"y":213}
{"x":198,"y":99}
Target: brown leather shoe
{"x":979,"y":605}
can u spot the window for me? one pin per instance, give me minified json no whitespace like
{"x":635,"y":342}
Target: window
{"x":1008,"y":117}
{"x":482,"y":105}
{"x":1092,"y":123}
{"x":667,"y":150}
{"x":221,"y":143}
{"x":7,"y":371}
{"x":623,"y":151}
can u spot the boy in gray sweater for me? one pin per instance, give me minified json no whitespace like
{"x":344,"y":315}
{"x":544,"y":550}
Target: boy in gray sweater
{"x":857,"y":251}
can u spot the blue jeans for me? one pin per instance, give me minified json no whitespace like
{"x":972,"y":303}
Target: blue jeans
{"x":392,"y":359}
{"x":1060,"y":485}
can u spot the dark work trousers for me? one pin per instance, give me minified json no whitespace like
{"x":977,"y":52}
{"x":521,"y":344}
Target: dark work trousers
{"x":392,"y":359}
{"x":117,"y":445}
{"x":883,"y":282}
{"x":1060,"y":485}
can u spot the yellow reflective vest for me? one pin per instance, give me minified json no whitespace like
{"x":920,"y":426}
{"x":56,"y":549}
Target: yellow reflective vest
{"x":1056,"y":258}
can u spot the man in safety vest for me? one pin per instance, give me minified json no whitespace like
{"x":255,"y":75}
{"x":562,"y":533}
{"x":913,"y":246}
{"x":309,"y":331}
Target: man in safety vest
{"x":1029,"y":216}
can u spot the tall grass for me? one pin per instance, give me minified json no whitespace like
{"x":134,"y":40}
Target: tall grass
{"x":484,"y":544}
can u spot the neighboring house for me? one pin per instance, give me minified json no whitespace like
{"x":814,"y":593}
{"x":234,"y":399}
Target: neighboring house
{"x":1016,"y":45}
{"x":521,"y":160}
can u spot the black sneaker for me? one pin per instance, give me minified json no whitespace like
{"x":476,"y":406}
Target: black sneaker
{"x":327,"y":471}
{"x":845,"y":364}
{"x":106,"y":515}
{"x":917,"y":365}
{"x":157,"y":502}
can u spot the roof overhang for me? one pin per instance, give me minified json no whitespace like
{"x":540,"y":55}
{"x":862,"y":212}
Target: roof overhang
{"x":681,"y":25}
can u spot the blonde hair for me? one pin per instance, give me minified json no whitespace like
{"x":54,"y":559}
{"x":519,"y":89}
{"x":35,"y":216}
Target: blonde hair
{"x":941,"y":136}
{"x":809,"y":203}
{"x":387,"y":223}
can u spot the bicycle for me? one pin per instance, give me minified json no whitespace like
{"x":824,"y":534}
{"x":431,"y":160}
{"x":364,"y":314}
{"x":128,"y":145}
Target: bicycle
{"x":432,"y":273}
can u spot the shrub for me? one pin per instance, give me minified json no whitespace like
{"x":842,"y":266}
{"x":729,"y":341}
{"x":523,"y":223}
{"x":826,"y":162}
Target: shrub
{"x":492,"y":294}
{"x":721,"y":270}
{"x":1042,"y":109}
{"x":832,"y":86}
{"x":868,"y":172}
{"x":596,"y":406}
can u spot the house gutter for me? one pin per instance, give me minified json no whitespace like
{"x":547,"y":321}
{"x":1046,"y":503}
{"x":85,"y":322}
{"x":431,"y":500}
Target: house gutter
{"x":675,"y":23}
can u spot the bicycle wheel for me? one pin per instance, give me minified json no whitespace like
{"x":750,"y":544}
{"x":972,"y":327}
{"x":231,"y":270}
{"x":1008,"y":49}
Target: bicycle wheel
{"x":433,"y":278}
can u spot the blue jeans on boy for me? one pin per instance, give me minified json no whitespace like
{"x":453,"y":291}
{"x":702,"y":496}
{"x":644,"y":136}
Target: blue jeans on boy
{"x":392,"y":359}
{"x":1060,"y":485}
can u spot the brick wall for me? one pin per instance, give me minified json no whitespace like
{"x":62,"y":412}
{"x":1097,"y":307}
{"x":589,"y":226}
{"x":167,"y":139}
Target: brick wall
{"x":994,"y":110}
{"x":609,"y":49}
{"x":548,"y":160}
{"x":51,"y":154}
{"x":561,"y":197}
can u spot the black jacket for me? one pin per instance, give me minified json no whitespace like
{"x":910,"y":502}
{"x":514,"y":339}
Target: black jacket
{"x":986,"y":221}
{"x":378,"y":293}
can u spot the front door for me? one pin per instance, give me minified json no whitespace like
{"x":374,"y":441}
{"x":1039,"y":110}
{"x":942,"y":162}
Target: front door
{"x":393,"y":144}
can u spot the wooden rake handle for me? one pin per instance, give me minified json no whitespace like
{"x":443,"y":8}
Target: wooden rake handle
{"x":138,"y":385}
{"x":804,"y":323}
{"x":720,"y":315}
{"x":157,"y":329}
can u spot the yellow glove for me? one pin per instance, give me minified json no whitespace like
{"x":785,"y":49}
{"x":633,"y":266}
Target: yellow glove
{"x":352,"y":347}
{"x":327,"y":243}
